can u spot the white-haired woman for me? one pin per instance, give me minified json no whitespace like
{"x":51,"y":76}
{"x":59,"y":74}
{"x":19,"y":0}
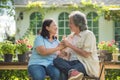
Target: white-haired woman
{"x":82,"y":46}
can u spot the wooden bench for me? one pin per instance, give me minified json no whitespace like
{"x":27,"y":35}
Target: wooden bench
{"x":23,"y":66}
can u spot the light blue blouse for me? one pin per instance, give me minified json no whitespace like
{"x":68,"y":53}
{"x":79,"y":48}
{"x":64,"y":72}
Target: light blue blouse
{"x":36,"y":58}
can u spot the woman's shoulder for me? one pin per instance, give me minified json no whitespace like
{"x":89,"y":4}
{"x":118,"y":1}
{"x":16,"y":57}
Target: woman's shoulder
{"x":39,"y":37}
{"x":88,"y":32}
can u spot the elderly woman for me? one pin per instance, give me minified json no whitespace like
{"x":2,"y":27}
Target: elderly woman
{"x":82,"y":46}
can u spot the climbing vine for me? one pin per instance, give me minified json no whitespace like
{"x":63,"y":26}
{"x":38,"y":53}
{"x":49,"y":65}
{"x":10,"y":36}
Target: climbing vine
{"x":36,"y":4}
{"x":100,"y":8}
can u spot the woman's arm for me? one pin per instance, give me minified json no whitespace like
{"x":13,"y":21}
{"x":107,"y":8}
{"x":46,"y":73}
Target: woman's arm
{"x":45,"y":51}
{"x":76,"y":49}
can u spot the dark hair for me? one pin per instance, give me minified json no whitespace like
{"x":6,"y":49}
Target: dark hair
{"x":44,"y":31}
{"x":38,"y":31}
{"x":79,"y":20}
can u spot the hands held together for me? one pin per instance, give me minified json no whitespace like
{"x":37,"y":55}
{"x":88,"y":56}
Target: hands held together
{"x":63,"y":44}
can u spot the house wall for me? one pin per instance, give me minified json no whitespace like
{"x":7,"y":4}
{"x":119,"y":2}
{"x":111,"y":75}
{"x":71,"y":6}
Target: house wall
{"x":106,"y":28}
{"x":55,"y":14}
{"x":23,"y":25}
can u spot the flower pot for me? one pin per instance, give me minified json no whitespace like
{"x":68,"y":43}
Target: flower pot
{"x":115,"y":57}
{"x":7,"y":57}
{"x":21,"y":57}
{"x":108,"y":56}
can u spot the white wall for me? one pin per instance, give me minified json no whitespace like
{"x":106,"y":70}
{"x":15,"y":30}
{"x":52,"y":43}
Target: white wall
{"x":106,"y":30}
{"x":22,"y":25}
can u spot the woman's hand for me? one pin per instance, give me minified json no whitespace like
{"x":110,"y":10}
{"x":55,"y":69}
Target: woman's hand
{"x":64,"y":55}
{"x":61,"y":46}
{"x":65,"y":43}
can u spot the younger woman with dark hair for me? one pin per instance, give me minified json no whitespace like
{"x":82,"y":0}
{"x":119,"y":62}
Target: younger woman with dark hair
{"x":44,"y":52}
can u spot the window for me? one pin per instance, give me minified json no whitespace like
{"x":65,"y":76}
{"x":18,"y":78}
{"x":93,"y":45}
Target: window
{"x":35,"y":22}
{"x":92,"y":19}
{"x":63,"y":24}
{"x":117,"y":32}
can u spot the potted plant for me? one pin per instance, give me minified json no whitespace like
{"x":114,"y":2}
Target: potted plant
{"x":107,"y":48}
{"x":116,"y":54}
{"x":8,"y":49}
{"x":22,"y":46}
{"x":1,"y":51}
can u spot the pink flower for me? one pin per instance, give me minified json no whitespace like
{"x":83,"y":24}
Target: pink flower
{"x":110,"y":46}
{"x":23,"y":45}
{"x":29,"y":46}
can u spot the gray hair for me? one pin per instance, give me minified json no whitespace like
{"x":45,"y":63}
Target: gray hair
{"x":79,"y":20}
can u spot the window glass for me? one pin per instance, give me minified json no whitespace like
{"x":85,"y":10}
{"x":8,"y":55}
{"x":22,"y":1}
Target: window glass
{"x":92,"y":19}
{"x":63,"y":25}
{"x":35,"y":22}
{"x":61,"y":31}
{"x":117,"y":32}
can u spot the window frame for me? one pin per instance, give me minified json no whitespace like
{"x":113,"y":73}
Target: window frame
{"x":117,"y":32}
{"x":64,"y":19}
{"x":37,"y":19}
{"x":91,"y":20}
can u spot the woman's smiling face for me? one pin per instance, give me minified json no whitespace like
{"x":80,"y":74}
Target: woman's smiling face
{"x":52,"y":28}
{"x":72,"y":26}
